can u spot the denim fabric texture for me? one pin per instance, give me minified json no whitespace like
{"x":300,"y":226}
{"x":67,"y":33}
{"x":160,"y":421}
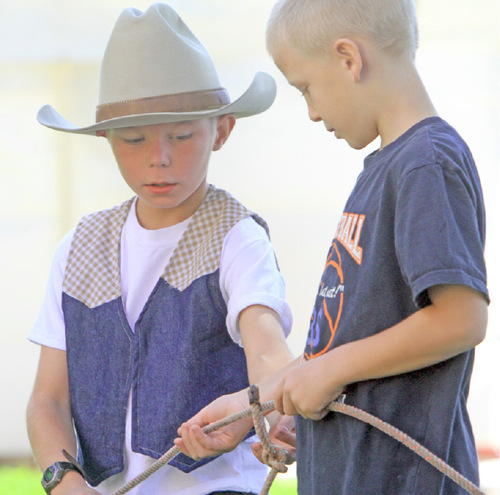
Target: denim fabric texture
{"x":179,"y":359}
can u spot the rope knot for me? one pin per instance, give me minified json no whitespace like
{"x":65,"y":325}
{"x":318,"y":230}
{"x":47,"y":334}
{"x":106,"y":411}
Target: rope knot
{"x":275,"y":458}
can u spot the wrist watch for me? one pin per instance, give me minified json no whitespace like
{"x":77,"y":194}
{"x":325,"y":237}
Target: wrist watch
{"x":54,"y":474}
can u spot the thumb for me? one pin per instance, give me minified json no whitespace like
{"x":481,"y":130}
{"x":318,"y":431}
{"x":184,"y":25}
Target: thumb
{"x":257,"y":450}
{"x":283,"y":434}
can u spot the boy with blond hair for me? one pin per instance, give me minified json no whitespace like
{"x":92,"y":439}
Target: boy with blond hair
{"x":403,"y":298}
{"x":158,"y":306}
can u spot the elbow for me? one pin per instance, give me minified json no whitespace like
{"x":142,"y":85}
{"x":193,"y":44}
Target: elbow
{"x":462,"y":313}
{"x":474,"y":325}
{"x":479,"y":333}
{"x":474,"y":338}
{"x":40,"y":406}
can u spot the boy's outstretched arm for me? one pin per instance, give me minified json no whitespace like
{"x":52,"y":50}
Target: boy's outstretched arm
{"x":264,"y":343}
{"x":267,"y":355}
{"x":50,"y":427}
{"x":454,"y":323}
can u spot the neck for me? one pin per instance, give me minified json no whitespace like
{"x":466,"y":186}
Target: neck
{"x":153,"y":217}
{"x":404,"y":103}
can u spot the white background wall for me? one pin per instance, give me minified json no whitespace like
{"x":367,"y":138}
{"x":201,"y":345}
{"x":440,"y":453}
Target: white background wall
{"x":280,"y":164}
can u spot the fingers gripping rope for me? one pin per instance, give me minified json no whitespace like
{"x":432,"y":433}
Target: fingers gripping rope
{"x":170,"y":454}
{"x":276,"y":457}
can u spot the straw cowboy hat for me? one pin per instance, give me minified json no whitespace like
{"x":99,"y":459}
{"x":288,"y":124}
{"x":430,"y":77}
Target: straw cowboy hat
{"x":155,"y":71}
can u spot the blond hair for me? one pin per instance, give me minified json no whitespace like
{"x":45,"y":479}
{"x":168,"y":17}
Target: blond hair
{"x":312,"y":26}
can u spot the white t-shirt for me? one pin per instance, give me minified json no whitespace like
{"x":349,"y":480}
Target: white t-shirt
{"x":248,"y":275}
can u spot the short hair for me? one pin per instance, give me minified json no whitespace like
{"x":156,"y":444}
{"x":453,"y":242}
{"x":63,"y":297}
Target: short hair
{"x":312,"y":26}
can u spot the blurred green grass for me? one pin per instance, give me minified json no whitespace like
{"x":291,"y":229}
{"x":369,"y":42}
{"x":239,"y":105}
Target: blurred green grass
{"x":23,"y":480}
{"x":20,"y":480}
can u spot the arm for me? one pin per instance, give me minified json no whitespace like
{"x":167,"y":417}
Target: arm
{"x":266,"y":354}
{"x":454,"y":323}
{"x":265,"y":347}
{"x":249,"y":275}
{"x":50,"y":426}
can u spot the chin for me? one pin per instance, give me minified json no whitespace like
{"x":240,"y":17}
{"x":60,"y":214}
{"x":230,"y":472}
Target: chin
{"x":358,"y":147}
{"x":359,"y":143}
{"x":354,"y":144}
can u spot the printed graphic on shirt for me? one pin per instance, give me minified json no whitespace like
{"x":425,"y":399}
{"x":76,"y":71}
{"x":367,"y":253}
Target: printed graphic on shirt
{"x":327,"y":311}
{"x":348,"y":233}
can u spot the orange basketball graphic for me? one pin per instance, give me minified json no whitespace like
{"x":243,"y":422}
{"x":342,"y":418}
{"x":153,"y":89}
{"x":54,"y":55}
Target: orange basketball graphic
{"x":320,"y":339}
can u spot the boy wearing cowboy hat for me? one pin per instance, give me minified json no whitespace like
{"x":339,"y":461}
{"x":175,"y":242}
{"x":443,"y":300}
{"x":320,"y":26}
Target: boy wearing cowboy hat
{"x":160,"y":305}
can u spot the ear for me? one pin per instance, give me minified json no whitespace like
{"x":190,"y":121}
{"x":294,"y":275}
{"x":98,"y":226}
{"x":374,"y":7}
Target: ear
{"x":101,"y":134}
{"x":225,"y":124}
{"x":349,"y":54}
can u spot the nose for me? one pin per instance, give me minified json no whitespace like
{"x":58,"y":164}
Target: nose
{"x":159,"y":155}
{"x":313,"y":114}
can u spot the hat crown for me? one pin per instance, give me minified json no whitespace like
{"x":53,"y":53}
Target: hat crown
{"x":153,"y":54}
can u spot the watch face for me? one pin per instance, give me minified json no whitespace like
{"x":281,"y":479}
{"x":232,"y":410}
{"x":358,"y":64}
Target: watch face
{"x":54,"y":474}
{"x":48,"y":476}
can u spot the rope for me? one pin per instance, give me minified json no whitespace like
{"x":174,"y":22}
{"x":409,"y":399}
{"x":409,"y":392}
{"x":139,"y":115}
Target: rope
{"x":413,"y":445}
{"x":170,"y":454}
{"x":276,"y":458}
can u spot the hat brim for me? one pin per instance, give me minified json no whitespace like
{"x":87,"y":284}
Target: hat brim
{"x":256,"y":99}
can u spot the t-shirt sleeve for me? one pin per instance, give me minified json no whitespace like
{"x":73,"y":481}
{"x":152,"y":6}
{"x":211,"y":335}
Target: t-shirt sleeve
{"x":249,"y":275}
{"x":438,"y":230}
{"x":49,"y":329}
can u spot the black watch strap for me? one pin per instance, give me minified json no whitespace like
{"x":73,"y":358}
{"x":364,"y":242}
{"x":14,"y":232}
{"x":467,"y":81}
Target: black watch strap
{"x":75,"y":462}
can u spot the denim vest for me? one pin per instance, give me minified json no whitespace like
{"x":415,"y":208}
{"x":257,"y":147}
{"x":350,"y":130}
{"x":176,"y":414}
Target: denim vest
{"x":180,"y":356}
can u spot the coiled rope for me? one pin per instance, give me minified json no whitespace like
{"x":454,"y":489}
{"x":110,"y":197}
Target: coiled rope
{"x":277,"y":458}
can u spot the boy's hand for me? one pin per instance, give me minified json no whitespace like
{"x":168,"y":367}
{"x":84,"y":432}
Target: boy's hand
{"x":282,"y":434}
{"x":196,"y":444}
{"x":307,"y":389}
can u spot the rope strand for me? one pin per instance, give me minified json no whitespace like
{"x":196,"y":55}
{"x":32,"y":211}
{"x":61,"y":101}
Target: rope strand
{"x":274,"y":455}
{"x":409,"y":442}
{"x":170,"y":454}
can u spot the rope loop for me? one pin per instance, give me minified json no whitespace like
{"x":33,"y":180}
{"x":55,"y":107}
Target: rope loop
{"x":276,"y":462}
{"x":273,"y":456}
{"x":277,"y":458}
